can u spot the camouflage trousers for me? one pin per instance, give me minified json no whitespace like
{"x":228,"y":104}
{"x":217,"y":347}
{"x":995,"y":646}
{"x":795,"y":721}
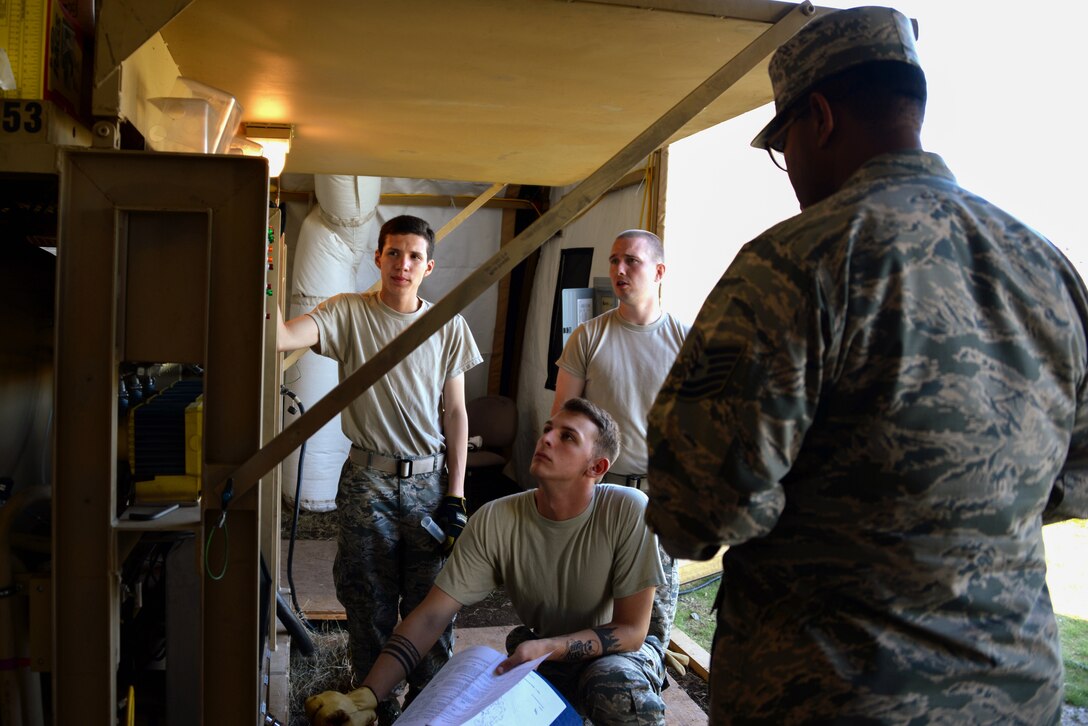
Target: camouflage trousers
{"x":621,"y":688}
{"x":386,"y":563}
{"x":664,"y":609}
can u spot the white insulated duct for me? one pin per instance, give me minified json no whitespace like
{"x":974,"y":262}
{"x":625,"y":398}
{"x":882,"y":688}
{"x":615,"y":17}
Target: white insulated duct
{"x":337,"y":234}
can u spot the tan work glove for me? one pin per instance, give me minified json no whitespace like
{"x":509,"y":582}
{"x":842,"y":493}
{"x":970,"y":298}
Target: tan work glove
{"x":332,"y":708}
{"x":677,"y":661}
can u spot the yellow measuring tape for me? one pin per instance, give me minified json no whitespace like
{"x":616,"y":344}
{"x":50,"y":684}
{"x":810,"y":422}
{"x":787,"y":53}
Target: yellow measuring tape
{"x":23,"y":28}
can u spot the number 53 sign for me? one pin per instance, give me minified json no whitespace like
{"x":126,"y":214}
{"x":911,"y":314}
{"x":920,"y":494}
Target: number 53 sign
{"x":22,"y":117}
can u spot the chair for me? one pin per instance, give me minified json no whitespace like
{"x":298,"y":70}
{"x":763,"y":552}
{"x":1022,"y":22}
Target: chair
{"x":495,"y":420}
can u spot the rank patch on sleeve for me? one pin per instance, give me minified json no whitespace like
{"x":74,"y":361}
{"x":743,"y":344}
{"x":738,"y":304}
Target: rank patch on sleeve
{"x":707,"y":371}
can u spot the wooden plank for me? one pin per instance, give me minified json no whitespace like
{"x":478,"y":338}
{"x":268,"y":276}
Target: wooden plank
{"x":681,"y":642}
{"x":502,"y":305}
{"x":762,"y":11}
{"x":311,"y":569}
{"x":124,"y":26}
{"x":279,"y":671}
{"x":657,"y":212}
{"x":691,"y":570}
{"x":449,"y":200}
{"x":469,"y":210}
{"x":630,"y":179}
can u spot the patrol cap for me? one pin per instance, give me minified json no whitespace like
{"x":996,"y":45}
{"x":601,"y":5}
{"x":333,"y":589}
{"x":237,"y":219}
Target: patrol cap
{"x":830,"y":44}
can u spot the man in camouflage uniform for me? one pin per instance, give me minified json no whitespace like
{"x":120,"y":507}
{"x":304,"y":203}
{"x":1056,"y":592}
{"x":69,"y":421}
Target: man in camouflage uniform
{"x":618,"y":360}
{"x":881,"y":403}
{"x":580,"y":567}
{"x":407,"y":459}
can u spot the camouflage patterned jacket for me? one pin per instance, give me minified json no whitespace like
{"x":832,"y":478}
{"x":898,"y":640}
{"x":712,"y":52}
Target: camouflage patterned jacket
{"x":881,"y":402}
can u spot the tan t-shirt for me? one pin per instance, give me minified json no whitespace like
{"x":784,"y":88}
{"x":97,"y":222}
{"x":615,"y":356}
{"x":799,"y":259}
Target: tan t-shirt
{"x":623,"y":366}
{"x":561,"y":576}
{"x":399,"y":414}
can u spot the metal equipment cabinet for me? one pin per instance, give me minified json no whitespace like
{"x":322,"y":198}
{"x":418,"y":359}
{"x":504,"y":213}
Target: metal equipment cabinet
{"x":162,"y":257}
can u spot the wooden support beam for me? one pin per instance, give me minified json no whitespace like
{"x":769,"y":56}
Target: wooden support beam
{"x":502,"y":262}
{"x":125,"y":25}
{"x":630,"y":179}
{"x":502,"y":305}
{"x":449,"y":200}
{"x":657,"y":203}
{"x":295,"y":355}
{"x":468,"y":211}
{"x":681,"y":642}
{"x":758,"y":10}
{"x":692,"y":570}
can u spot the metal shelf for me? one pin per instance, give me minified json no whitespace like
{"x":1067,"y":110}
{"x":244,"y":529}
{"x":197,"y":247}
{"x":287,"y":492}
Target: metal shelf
{"x":184,"y":518}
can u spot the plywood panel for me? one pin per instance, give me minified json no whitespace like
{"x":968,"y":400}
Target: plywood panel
{"x":312,"y":572}
{"x":529,"y":91}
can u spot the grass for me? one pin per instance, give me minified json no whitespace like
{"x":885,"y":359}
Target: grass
{"x":1074,"y":632}
{"x":693,"y":612}
{"x":1066,"y":547}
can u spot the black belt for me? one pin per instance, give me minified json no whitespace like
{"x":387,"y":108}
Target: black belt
{"x":638,"y":481}
{"x":403,"y":468}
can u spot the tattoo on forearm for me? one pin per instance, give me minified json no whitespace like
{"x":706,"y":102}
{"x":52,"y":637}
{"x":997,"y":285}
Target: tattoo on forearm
{"x":609,"y":642}
{"x":580,"y":650}
{"x":403,"y":651}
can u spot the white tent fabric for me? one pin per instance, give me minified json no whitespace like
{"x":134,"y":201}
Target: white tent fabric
{"x":333,"y":240}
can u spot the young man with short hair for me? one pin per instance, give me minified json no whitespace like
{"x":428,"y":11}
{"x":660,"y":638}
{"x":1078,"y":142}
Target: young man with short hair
{"x":618,"y":360}
{"x":579,"y":565}
{"x":409,"y":441}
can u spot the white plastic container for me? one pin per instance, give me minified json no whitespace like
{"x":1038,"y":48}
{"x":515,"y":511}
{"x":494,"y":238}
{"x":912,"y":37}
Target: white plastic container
{"x":194,"y":118}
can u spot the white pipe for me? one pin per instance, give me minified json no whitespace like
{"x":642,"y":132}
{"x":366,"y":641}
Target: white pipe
{"x":336,"y":238}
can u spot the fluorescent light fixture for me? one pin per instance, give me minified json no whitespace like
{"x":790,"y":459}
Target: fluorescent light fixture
{"x":275,"y":141}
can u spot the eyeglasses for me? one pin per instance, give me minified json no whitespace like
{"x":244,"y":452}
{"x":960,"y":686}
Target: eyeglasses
{"x":776,"y":144}
{"x":777,"y":157}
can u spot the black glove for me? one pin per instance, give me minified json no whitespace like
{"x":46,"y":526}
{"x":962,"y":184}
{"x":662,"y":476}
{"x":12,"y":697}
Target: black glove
{"x":451,"y":517}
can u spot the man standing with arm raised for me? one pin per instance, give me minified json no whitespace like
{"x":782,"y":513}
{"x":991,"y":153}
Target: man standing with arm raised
{"x":409,"y":434}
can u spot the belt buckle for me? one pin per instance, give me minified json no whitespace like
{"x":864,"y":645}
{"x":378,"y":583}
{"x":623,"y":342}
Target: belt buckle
{"x":635,"y":481}
{"x":404,"y":468}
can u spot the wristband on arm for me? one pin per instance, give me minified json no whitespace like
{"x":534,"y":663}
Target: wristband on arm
{"x":403,"y":651}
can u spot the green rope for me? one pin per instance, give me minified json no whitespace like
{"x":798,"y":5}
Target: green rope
{"x":226,"y":551}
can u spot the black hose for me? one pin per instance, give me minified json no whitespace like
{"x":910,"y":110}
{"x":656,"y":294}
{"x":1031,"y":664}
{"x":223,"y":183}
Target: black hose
{"x":294,"y":519}
{"x":701,"y":585}
{"x":297,"y":628}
